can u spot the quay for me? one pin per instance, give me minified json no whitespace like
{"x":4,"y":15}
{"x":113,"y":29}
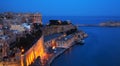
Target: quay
{"x":60,"y":52}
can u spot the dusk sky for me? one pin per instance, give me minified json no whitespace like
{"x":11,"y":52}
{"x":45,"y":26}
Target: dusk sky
{"x":63,"y":7}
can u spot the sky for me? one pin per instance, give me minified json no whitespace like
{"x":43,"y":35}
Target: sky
{"x":63,"y":7}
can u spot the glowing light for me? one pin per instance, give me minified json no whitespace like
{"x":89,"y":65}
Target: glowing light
{"x":64,"y":35}
{"x":22,"y":50}
{"x":53,"y":47}
{"x":59,"y":22}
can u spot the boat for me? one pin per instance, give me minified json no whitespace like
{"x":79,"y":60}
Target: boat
{"x":81,"y":42}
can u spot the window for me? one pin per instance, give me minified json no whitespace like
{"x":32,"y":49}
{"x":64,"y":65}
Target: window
{"x":0,"y":50}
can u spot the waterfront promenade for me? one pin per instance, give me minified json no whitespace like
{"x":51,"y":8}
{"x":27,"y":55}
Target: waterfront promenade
{"x":59,"y":51}
{"x":51,"y":57}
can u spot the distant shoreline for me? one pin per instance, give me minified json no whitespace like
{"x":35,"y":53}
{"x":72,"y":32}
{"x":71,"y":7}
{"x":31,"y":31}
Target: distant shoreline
{"x":103,"y":24}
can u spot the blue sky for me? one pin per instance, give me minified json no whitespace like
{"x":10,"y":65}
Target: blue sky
{"x":63,"y":7}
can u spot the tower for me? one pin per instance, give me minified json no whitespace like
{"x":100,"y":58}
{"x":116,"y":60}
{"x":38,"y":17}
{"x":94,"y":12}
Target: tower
{"x":37,"y":18}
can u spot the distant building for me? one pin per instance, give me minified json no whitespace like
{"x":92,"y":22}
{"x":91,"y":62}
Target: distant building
{"x":4,"y":47}
{"x":48,"y":30}
{"x":1,"y":32}
{"x":36,"y":18}
{"x":17,"y":27}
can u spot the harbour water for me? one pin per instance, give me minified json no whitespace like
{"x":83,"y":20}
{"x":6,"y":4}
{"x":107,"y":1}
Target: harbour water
{"x":101,"y":48}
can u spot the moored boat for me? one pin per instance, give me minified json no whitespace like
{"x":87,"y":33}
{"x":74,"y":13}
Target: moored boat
{"x":81,"y":42}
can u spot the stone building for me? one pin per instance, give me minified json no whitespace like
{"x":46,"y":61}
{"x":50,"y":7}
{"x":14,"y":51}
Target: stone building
{"x":65,"y":42}
{"x":48,"y":30}
{"x":4,"y":47}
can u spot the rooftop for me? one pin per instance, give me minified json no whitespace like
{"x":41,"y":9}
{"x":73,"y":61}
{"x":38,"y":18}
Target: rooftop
{"x":47,"y":38}
{"x":65,"y":38}
{"x":4,"y":37}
